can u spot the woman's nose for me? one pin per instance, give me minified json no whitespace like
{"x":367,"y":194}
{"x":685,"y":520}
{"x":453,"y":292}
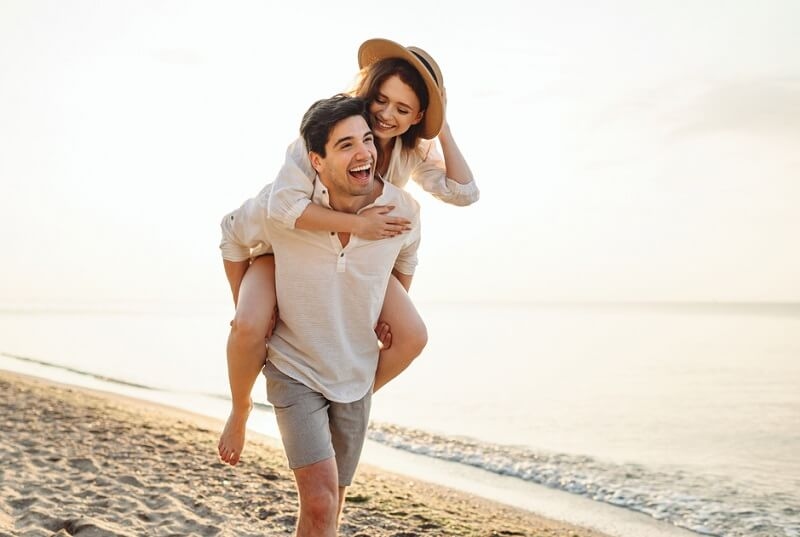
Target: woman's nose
{"x":384,"y":111}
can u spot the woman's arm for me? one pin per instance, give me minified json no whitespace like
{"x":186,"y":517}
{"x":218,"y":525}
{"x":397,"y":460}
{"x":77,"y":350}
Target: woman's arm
{"x":428,"y":169}
{"x":373,"y":223}
{"x":455,"y":164}
{"x":444,"y":175}
{"x":290,"y":203}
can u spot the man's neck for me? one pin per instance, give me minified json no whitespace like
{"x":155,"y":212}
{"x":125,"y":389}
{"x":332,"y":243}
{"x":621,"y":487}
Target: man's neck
{"x":347,"y":203}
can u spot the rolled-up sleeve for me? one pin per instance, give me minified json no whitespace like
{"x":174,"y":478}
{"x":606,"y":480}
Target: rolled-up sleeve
{"x":244,"y":231}
{"x":293,"y":186}
{"x":406,"y":262}
{"x":430,"y":173}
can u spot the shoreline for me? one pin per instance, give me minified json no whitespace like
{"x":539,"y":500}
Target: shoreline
{"x":83,"y":462}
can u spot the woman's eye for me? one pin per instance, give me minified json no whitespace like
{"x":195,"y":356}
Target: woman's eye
{"x":403,"y":112}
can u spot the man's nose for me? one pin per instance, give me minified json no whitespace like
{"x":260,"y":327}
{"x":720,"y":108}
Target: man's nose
{"x":362,"y":151}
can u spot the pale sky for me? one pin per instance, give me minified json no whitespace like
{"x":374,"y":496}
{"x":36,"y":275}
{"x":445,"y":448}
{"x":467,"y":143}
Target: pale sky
{"x":624,"y":150}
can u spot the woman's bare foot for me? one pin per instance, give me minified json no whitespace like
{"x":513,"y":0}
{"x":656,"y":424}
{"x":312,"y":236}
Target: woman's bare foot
{"x":231,"y":441}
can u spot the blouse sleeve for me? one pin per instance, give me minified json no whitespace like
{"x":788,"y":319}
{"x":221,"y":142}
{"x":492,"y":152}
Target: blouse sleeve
{"x":293,"y":187}
{"x":429,"y":173}
{"x":244,"y":231}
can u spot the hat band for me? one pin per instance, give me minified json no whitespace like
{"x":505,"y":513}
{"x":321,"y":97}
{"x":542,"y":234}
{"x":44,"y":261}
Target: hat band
{"x":427,"y":66}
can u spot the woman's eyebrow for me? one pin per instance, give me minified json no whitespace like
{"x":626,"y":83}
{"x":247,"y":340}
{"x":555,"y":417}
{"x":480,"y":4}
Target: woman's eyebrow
{"x":401,"y":103}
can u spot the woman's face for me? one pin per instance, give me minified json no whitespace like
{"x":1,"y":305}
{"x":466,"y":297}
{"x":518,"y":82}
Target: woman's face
{"x":395,"y":109}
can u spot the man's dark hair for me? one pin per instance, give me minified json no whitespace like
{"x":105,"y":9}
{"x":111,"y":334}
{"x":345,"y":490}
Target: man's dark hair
{"x":323,"y":115}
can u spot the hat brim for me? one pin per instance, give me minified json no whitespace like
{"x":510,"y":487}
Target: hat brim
{"x":374,"y":50}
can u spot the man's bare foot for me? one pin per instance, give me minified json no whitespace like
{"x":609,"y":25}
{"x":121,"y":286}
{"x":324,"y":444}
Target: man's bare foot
{"x":231,"y":441}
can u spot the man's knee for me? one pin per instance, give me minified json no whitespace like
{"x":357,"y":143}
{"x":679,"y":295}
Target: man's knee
{"x":321,"y":505}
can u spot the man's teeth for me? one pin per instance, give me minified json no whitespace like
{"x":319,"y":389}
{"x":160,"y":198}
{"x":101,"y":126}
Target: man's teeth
{"x":361,"y":168}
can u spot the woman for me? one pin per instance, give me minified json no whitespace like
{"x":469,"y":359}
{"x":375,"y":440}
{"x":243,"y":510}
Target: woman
{"x":405,"y":92}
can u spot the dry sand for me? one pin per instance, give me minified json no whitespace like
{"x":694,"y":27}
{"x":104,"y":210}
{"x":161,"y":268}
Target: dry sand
{"x":78,"y":462}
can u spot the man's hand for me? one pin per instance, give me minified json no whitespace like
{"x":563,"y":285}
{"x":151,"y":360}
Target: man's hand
{"x":375,"y":223}
{"x":383,"y":331}
{"x":273,"y":321}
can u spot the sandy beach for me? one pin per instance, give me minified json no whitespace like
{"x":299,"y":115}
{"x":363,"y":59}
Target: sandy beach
{"x":79,"y":462}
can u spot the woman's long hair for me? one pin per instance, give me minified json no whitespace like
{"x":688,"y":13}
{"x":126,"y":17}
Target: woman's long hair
{"x":374,"y":75}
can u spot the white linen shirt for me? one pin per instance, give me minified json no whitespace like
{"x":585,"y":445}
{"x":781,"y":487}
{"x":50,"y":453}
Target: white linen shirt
{"x":291,"y":191}
{"x":329,"y":296}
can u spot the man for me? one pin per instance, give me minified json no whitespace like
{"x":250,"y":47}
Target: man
{"x":330,"y":286}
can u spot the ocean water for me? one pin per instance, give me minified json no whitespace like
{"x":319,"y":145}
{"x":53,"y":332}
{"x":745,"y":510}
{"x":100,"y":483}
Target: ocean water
{"x":686,"y":413}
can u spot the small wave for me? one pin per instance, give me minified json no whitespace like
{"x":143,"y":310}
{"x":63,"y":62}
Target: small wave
{"x":77,"y":371}
{"x":116,"y":381}
{"x":707,"y":505}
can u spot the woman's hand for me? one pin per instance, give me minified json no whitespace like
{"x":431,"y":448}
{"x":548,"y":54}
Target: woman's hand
{"x":375,"y":223}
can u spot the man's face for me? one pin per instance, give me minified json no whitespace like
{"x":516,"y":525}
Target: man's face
{"x":348,"y":168}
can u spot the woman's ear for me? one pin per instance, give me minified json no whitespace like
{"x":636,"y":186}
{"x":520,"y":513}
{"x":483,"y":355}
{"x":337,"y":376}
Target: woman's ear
{"x":418,"y":118}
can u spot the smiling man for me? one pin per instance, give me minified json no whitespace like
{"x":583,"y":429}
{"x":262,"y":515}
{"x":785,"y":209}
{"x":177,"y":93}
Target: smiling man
{"x":330,"y":287}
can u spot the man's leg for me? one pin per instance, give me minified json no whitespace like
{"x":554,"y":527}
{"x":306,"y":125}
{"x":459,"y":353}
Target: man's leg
{"x":320,"y":499}
{"x":247,"y":351}
{"x":342,"y":496}
{"x":348,"y":425}
{"x":303,"y":420}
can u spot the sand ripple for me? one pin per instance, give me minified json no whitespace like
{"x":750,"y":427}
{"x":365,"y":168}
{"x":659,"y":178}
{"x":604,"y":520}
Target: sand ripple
{"x":74,"y":463}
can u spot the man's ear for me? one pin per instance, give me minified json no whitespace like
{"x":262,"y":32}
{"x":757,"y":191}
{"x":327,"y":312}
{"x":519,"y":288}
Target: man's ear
{"x":418,"y":118}
{"x":316,"y":160}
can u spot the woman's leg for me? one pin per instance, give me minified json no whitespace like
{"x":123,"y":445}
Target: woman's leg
{"x":247,"y":351}
{"x":409,"y":335}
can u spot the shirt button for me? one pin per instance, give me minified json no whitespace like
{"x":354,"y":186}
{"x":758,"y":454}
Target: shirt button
{"x":333,"y":233}
{"x":324,"y":191}
{"x":341,"y":255}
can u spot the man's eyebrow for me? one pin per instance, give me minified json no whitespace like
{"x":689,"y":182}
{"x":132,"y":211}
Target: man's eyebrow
{"x":350,"y":138}
{"x":342,"y":140}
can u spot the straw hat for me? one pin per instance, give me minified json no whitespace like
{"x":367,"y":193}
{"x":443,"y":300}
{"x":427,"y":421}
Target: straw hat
{"x":374,"y":50}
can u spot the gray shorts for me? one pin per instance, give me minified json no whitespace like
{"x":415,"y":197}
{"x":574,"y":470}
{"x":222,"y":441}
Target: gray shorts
{"x":313,"y":428}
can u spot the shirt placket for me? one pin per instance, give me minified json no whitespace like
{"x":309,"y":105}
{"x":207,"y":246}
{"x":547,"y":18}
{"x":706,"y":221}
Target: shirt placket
{"x":339,"y":251}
